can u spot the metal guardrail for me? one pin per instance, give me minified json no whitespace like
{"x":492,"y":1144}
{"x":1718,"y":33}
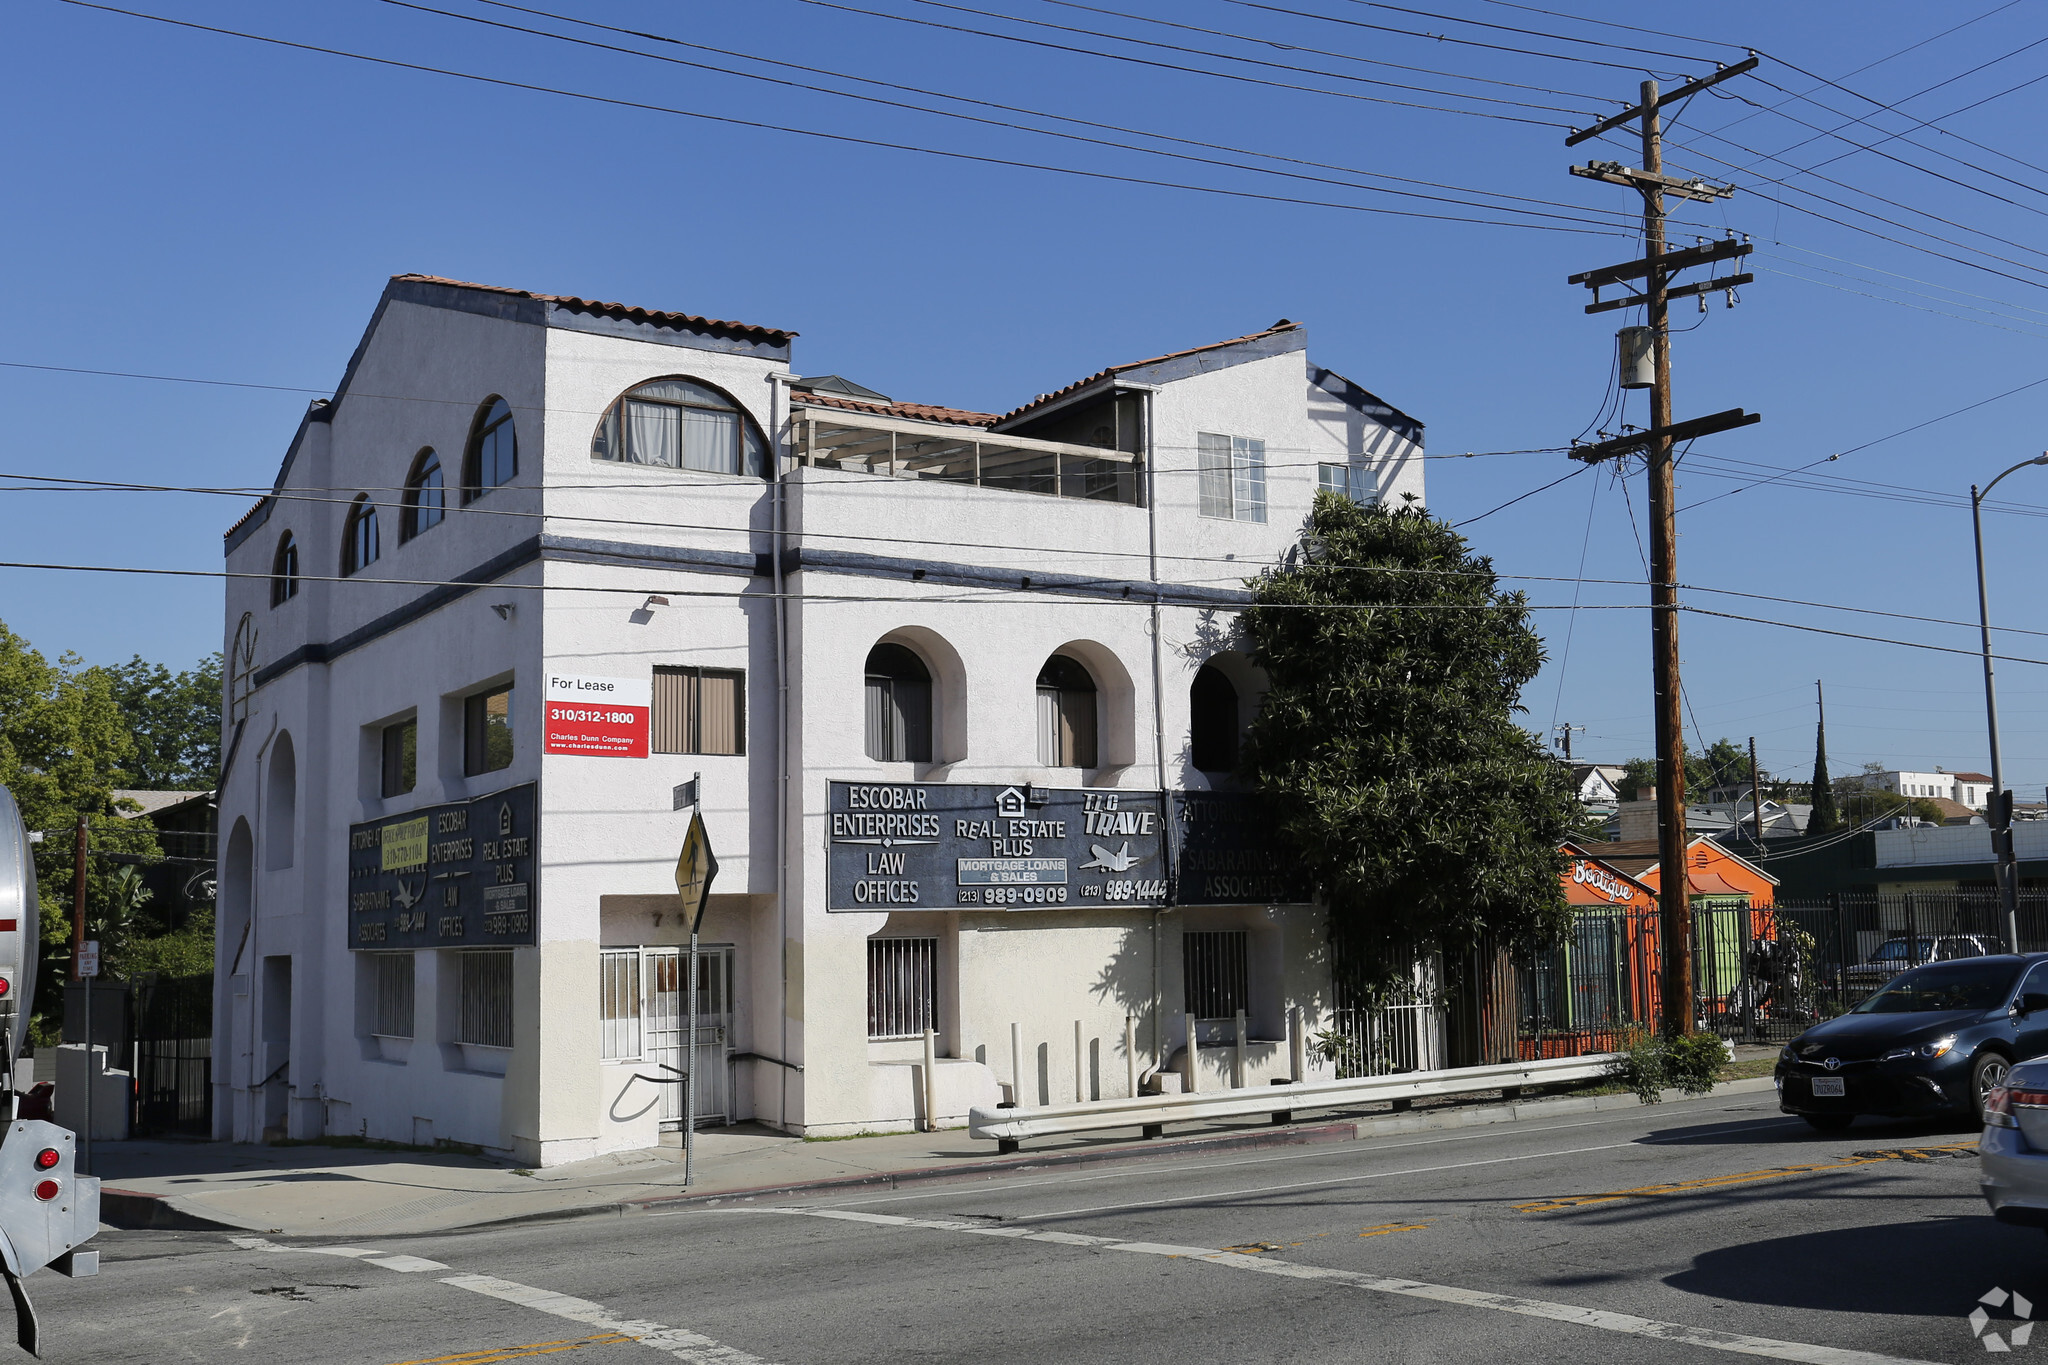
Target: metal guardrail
{"x":1011,"y":1126}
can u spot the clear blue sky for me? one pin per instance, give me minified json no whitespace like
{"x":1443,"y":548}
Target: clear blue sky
{"x":186,"y":203}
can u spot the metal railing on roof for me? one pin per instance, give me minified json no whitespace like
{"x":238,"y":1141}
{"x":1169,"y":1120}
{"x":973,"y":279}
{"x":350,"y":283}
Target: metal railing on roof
{"x":829,"y":438}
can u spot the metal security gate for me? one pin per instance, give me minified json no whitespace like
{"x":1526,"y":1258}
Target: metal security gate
{"x":173,"y":1056}
{"x":666,"y":1029}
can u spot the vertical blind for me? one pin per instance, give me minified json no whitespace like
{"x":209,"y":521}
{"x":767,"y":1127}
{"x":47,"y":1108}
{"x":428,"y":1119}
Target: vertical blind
{"x":698,"y":711}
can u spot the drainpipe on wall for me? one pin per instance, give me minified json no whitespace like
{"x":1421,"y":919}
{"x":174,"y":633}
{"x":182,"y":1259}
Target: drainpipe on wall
{"x":1146,"y":444}
{"x":776,"y":539}
{"x":258,"y":845}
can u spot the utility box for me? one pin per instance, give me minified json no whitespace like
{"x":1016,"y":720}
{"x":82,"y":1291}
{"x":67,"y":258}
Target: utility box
{"x":1636,"y":352}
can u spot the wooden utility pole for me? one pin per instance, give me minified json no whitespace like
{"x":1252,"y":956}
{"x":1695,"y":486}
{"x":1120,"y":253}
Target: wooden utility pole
{"x":1756,"y":800}
{"x":1655,"y":269}
{"x":78,"y":899}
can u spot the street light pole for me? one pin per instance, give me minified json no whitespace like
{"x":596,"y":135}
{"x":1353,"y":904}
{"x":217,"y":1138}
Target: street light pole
{"x":2001,"y":802}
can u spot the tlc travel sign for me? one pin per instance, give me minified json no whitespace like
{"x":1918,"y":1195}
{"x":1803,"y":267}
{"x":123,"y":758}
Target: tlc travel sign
{"x":601,"y":717}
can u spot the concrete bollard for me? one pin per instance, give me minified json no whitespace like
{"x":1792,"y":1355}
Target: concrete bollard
{"x":1194,"y":1056}
{"x":1080,"y":1067}
{"x":1131,"y":1055}
{"x":1297,"y":1046}
{"x":931,"y":1081}
{"x":1017,"y":1066}
{"x":1237,"y":1061}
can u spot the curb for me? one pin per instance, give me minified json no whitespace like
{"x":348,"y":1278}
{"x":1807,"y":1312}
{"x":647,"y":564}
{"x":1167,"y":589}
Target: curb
{"x":132,"y":1209}
{"x":926,"y":1175}
{"x":1342,"y":1131}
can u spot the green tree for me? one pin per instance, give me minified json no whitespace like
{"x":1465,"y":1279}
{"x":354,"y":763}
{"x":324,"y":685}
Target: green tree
{"x":63,"y":751}
{"x":1824,"y":819}
{"x":1862,"y":807}
{"x":1387,"y":748}
{"x":174,"y":719}
{"x":1725,"y":764}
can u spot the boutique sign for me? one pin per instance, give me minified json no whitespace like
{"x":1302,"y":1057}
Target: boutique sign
{"x":937,"y":846}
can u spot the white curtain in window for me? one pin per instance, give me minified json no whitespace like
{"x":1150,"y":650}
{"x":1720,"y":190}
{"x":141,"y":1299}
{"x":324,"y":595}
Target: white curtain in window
{"x":711,"y":441}
{"x":1214,"y":478}
{"x":1049,"y":755}
{"x":1248,"y":477}
{"x":655,"y":433}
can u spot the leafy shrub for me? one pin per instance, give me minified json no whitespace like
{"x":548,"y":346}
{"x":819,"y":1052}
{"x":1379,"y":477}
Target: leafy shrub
{"x":1650,"y":1064}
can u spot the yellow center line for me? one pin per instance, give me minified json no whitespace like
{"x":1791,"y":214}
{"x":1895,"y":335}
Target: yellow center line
{"x":1384,"y":1228}
{"x":538,"y":1348}
{"x":1579,"y":1201}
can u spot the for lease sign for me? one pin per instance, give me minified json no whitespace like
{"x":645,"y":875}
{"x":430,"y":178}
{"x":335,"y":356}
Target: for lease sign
{"x":605,"y":717}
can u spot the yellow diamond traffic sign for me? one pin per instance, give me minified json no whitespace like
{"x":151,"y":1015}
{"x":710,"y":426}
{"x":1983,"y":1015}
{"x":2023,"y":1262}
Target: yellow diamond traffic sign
{"x":695,"y":867}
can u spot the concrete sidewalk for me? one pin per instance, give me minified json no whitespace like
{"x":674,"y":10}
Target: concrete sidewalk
{"x":314,"y":1190}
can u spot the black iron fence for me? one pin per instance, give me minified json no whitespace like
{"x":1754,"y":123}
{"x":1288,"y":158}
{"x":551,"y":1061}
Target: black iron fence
{"x":1760,"y":974}
{"x":173,"y":1056}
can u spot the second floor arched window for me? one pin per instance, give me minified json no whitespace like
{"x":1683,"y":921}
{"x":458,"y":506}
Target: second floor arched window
{"x":899,"y":706}
{"x":359,"y":545}
{"x":680,"y":424}
{"x":284,"y":571}
{"x":493,"y":457}
{"x":1066,"y":713}
{"x":426,"y":496}
{"x":1212,"y":721}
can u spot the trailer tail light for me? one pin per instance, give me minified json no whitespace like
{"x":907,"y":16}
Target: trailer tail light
{"x":47,"y":1158}
{"x":47,"y":1189}
{"x":6,"y":986}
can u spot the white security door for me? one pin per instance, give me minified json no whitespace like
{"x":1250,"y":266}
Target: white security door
{"x":666,"y":1028}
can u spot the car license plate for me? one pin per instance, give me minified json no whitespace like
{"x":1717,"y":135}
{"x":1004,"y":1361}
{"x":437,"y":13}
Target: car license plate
{"x":1827,"y":1085}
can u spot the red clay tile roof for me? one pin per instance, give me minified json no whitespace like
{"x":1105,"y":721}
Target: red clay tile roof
{"x":243,"y":520}
{"x":1972,"y":777}
{"x":916,"y":412}
{"x":1281,"y":326}
{"x":774,"y":335}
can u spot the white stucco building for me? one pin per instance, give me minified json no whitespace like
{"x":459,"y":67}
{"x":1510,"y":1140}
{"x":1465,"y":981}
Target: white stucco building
{"x":448,"y":914}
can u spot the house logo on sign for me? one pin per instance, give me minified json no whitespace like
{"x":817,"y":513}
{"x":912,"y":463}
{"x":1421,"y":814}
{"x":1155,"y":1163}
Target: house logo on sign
{"x":1009,"y":801}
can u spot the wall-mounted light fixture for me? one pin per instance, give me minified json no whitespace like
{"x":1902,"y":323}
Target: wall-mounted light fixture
{"x":505,"y":610}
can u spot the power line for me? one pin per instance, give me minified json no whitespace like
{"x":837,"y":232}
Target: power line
{"x":1535,"y":33}
{"x":848,"y":138}
{"x":1575,"y":215}
{"x":1153,"y":62}
{"x":1440,"y":37}
{"x":1521,"y":497}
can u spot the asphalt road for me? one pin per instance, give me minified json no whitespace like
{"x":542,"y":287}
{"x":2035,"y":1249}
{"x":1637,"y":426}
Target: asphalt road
{"x":1704,"y":1230}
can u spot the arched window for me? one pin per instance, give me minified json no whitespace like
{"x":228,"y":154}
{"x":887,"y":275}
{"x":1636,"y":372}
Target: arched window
{"x":426,"y":500}
{"x":680,"y":424}
{"x":899,"y":706}
{"x":493,"y":452}
{"x":1066,"y":714}
{"x":1212,"y":721}
{"x":284,"y":571}
{"x":359,"y":547}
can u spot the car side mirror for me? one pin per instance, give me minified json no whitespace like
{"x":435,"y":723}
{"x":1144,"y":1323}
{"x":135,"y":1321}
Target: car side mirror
{"x":2033,"y":1001}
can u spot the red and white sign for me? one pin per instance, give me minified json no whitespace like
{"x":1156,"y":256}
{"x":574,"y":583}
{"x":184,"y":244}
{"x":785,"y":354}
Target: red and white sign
{"x":606,"y":717}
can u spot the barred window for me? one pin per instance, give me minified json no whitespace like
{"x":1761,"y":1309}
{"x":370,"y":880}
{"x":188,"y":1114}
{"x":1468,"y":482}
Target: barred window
{"x":486,"y":998}
{"x":1215,"y":973}
{"x":618,"y":989}
{"x":1232,"y":476}
{"x":393,"y":979}
{"x":903,"y":987}
{"x":699,"y":710}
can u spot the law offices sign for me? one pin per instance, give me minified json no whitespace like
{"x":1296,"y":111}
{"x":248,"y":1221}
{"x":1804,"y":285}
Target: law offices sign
{"x":456,"y":875}
{"x":600,"y":717}
{"x":938,"y":846}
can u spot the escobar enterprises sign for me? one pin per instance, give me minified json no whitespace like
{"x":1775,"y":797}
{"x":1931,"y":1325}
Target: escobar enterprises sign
{"x":453,"y":876}
{"x":936,"y":846}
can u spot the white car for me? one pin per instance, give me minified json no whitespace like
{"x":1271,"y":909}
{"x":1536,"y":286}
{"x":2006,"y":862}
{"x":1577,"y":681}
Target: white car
{"x":2013,"y":1154}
